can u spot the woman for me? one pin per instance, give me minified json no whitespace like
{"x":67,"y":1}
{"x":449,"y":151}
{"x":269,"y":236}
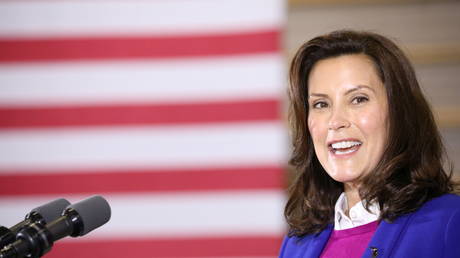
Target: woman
{"x":368,"y":154}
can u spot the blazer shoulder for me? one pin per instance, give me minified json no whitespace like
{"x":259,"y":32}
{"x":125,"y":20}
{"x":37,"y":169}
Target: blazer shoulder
{"x":305,"y":246}
{"x":293,"y":246}
{"x":448,"y":206}
{"x":439,"y":212}
{"x":449,"y":203}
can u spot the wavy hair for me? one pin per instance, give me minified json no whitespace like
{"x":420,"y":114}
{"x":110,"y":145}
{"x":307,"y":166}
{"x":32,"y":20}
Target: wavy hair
{"x":410,"y":171}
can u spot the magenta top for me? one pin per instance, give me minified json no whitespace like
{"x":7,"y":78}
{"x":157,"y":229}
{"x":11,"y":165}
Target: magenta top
{"x":349,"y":243}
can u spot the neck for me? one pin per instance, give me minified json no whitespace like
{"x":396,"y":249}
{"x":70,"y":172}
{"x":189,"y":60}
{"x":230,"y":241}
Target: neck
{"x":352,"y":193}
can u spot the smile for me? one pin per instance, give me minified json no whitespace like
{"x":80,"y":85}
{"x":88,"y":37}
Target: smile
{"x":345,"y":147}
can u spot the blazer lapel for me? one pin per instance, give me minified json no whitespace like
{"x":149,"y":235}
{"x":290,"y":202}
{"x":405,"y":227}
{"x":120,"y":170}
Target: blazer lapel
{"x":385,"y":237}
{"x":317,"y":243}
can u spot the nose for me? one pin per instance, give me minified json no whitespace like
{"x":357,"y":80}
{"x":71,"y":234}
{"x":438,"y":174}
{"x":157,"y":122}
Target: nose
{"x":338,"y":120}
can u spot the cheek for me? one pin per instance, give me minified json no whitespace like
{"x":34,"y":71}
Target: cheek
{"x":367,"y":123}
{"x":313,"y":127}
{"x":373,"y":124}
{"x":317,"y":130}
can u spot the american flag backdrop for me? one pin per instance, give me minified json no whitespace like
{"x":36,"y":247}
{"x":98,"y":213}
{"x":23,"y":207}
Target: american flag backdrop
{"x":170,"y":109}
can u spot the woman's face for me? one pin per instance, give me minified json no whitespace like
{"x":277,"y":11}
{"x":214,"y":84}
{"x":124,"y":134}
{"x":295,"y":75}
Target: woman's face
{"x":348,"y":116}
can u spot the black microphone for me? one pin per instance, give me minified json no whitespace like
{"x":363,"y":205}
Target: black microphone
{"x":35,"y":240}
{"x":42,"y":214}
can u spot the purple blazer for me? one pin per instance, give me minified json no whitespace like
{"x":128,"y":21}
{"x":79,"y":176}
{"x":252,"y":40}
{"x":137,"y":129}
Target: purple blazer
{"x":431,"y":231}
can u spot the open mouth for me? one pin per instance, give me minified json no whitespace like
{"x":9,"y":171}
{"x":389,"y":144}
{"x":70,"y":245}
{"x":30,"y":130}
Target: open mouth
{"x":344,"y":147}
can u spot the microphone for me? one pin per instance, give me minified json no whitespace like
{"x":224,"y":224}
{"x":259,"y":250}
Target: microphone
{"x":41,"y":214}
{"x":35,"y":240}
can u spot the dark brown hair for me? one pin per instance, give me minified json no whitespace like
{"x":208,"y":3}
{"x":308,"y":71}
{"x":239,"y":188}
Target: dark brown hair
{"x":410,"y":171}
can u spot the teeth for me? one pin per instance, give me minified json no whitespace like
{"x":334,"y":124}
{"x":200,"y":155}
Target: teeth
{"x":345,"y":144}
{"x":338,"y":152}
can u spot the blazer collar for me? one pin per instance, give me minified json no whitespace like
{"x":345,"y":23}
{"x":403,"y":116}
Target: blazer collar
{"x":318,"y":242}
{"x":386,"y":236}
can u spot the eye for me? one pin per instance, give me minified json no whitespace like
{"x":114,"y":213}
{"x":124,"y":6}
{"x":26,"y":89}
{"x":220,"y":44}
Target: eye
{"x":320,"y":105}
{"x":359,"y":100}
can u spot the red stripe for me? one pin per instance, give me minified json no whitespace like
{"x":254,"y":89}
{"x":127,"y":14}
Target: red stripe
{"x":62,"y":49}
{"x":229,"y":111}
{"x":242,"y":246}
{"x":86,"y":182}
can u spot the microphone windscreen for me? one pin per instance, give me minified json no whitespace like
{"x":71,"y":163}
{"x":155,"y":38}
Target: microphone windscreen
{"x":52,"y":210}
{"x":94,"y":212}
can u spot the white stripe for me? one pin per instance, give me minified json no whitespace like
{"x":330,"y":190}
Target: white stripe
{"x":139,"y":147}
{"x":64,"y":18}
{"x":254,"y":76}
{"x":174,"y":215}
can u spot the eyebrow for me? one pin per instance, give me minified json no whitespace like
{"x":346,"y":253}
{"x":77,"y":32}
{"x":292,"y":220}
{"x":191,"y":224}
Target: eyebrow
{"x":346,"y":93}
{"x":358,"y":88}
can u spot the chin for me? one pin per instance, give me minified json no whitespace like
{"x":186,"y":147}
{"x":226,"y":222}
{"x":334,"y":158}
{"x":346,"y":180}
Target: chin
{"x":344,"y":177}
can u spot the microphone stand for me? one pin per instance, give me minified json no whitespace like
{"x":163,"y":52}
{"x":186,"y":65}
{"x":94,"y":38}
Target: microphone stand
{"x":6,"y":236}
{"x":32,"y":241}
